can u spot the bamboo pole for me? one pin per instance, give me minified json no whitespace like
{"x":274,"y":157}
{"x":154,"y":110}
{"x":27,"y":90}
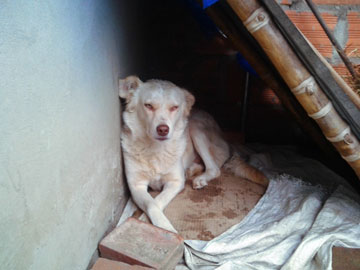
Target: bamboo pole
{"x":299,"y":80}
{"x":271,"y":78}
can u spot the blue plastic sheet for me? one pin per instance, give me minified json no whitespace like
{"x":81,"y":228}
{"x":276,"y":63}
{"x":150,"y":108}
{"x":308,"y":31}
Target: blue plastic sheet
{"x":208,"y":3}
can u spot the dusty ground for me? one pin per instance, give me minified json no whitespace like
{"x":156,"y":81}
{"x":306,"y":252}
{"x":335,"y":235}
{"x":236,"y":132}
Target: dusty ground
{"x":208,"y":212}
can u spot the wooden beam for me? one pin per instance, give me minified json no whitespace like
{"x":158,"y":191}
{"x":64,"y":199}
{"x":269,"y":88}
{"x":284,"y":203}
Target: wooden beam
{"x":240,"y":42}
{"x":299,"y":80}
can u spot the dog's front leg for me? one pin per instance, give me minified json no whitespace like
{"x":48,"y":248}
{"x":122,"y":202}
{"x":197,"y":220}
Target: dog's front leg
{"x":147,"y":203}
{"x":173,"y":184}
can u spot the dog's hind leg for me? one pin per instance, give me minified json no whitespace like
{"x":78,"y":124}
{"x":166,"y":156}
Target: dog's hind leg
{"x":239,"y":167}
{"x":193,"y":170}
{"x":212,"y":169}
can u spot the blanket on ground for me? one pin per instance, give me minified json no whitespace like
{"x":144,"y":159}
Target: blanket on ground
{"x":306,"y":210}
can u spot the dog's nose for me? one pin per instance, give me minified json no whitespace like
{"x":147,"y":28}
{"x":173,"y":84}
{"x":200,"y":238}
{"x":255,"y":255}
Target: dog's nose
{"x":162,"y":130}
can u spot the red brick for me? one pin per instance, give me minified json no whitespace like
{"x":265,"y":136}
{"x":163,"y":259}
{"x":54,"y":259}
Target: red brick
{"x":310,"y":27}
{"x":337,"y":2}
{"x":286,"y":2}
{"x":342,"y":70}
{"x":325,"y":2}
{"x":105,"y":264}
{"x":345,"y":74}
{"x":353,"y":43}
{"x":140,"y":243}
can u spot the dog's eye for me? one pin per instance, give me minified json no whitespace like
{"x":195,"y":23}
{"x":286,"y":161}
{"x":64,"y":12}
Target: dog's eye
{"x":149,"y":106}
{"x":174,"y":108}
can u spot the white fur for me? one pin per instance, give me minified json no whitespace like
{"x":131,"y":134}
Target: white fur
{"x":160,"y":162}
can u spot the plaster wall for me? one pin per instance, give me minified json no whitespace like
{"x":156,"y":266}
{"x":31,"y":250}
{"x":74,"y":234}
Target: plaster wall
{"x":61,"y":183}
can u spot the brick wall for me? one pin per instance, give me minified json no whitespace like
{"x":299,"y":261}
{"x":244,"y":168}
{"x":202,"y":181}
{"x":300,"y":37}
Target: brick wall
{"x":341,"y":16}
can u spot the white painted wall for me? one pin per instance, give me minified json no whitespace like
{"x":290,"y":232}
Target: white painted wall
{"x":60,"y":168}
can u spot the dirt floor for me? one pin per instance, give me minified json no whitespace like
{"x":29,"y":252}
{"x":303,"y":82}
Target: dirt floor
{"x":206,"y":213}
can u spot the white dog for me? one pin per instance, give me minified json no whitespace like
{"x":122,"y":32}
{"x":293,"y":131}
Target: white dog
{"x":162,"y":142}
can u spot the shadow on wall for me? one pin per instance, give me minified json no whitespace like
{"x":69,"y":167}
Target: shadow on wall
{"x":176,"y":41}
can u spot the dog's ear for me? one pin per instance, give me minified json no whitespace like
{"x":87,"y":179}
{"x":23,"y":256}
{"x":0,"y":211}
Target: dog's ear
{"x":190,"y":100}
{"x":127,"y":87}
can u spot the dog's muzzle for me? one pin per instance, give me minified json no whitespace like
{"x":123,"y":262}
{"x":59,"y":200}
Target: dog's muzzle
{"x":162,"y":131}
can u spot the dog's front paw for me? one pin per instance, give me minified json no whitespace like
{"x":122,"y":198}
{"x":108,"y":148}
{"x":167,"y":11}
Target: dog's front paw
{"x":199,"y":182}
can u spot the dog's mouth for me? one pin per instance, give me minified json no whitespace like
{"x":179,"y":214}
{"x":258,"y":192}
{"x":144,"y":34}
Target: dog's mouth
{"x":162,"y":138}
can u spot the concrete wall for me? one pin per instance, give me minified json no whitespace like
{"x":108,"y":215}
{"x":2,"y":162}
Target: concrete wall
{"x":61,"y":182}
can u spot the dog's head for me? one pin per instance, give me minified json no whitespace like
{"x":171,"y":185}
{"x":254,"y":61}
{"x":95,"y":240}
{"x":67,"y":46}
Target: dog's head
{"x":160,"y":108}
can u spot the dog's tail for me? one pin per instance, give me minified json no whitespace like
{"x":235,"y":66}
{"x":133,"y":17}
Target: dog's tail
{"x":239,"y":167}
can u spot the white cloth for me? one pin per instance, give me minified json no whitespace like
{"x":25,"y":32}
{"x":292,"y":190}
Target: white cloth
{"x":293,"y":226}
